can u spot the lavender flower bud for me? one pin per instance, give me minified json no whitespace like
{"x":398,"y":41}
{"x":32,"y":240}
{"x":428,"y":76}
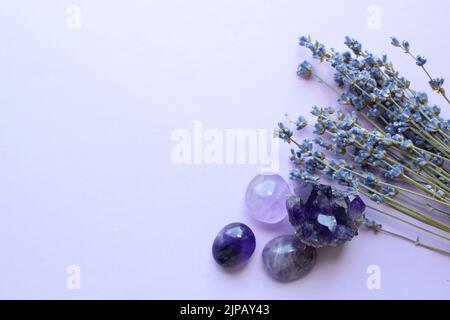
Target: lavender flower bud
{"x":305,"y":70}
{"x":421,"y":61}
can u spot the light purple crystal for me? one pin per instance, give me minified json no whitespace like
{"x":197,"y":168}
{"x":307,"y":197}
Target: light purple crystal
{"x":323,"y":216}
{"x":265,"y":198}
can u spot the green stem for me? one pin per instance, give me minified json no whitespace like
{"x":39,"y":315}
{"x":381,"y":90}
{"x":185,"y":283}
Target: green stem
{"x":416,"y":214}
{"x":429,"y":76}
{"x":429,"y":206}
{"x":427,"y":137}
{"x":416,"y":242}
{"x":420,"y":215}
{"x":406,"y":222}
{"x":326,"y":84}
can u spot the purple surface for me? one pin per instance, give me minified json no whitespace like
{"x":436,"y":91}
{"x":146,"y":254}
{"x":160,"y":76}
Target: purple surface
{"x":86,"y":121}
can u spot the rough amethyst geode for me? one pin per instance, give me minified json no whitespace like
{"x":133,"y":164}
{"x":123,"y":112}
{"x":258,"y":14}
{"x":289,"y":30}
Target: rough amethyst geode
{"x":323,"y":216}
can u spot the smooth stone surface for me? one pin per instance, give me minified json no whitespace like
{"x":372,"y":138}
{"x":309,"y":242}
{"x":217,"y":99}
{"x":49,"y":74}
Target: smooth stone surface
{"x":233,"y":245}
{"x":265,"y":198}
{"x":323,"y":216}
{"x":286,"y":258}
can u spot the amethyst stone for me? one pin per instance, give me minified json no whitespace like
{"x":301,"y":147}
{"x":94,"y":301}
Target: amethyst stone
{"x":265,"y":198}
{"x":286,"y":258}
{"x":323,"y":216}
{"x":233,"y":245}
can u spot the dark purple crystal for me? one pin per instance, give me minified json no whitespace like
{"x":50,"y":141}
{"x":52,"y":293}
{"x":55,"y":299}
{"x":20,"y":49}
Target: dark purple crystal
{"x":323,"y":216}
{"x":233,"y":245}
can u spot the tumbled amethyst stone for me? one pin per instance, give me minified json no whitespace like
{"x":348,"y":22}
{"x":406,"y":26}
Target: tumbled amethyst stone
{"x":323,"y":216}
{"x":265,"y":198}
{"x":233,"y":245}
{"x":286,"y":258}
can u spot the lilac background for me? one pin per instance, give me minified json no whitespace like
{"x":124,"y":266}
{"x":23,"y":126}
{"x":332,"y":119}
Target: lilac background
{"x":86,"y":119}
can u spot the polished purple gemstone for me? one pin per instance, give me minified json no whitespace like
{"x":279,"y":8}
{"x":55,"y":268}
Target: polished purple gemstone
{"x":286,"y":258}
{"x":323,"y":216}
{"x":234,"y":245}
{"x":265,"y":198}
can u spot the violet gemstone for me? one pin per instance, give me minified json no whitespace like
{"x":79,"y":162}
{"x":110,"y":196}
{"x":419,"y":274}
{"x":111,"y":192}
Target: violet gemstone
{"x":265,"y":198}
{"x":323,"y":216}
{"x":234,"y":245}
{"x":286,"y":258}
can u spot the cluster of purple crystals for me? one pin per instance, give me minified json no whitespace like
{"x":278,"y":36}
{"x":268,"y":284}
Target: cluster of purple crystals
{"x":323,"y":216}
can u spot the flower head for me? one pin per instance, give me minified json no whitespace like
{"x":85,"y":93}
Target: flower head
{"x":301,"y":123}
{"x":354,"y":45}
{"x":395,"y":42}
{"x":436,"y":84}
{"x":421,"y":61}
{"x":303,"y":41}
{"x":284,"y":133}
{"x":305,"y":70}
{"x":406,"y":46}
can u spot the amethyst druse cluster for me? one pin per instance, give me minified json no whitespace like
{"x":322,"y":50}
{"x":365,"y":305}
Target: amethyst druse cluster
{"x":323,"y":216}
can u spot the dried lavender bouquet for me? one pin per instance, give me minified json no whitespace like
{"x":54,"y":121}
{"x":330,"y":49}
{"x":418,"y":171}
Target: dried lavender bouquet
{"x":393,"y":147}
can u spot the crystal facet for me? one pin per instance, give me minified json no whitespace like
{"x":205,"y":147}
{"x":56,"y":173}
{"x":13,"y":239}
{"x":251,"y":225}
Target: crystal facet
{"x":323,"y":216}
{"x":286,"y":258}
{"x":234,"y":245}
{"x":265,"y":198}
